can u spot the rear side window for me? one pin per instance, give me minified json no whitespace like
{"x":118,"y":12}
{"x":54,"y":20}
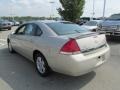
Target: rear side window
{"x":29,"y":29}
{"x":64,"y":28}
{"x":37,"y":30}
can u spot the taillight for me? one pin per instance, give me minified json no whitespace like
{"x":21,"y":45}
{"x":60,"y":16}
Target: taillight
{"x":71,"y":47}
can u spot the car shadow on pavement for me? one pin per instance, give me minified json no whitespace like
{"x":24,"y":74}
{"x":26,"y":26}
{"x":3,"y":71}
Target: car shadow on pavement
{"x":20,"y":74}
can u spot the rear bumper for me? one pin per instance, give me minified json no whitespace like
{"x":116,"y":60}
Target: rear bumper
{"x":76,"y":65}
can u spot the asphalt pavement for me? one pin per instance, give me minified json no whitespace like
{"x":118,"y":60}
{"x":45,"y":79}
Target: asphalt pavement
{"x":18,"y":73}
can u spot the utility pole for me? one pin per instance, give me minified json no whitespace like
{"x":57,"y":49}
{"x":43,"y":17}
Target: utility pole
{"x":104,"y":8}
{"x":93,"y":9}
{"x":52,"y":3}
{"x":12,"y":12}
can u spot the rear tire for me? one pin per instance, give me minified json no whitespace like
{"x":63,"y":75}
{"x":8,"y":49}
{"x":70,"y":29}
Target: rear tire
{"x":41,"y":65}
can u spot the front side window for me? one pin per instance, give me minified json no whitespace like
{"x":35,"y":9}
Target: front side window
{"x":29,"y":29}
{"x":20,"y":31}
{"x":64,"y":28}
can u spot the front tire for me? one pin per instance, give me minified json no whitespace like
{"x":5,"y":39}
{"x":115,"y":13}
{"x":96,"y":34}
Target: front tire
{"x":41,"y":65}
{"x":10,"y":47}
{"x":9,"y":28}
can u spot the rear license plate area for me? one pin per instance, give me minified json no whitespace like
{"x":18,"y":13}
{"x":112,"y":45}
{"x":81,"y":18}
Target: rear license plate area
{"x":101,"y":58}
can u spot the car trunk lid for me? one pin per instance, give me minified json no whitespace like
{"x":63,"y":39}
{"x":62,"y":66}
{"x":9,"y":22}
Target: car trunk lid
{"x":89,"y":41}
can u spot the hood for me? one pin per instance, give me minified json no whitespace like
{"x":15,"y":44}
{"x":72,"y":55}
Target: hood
{"x":89,"y":27}
{"x":111,"y":23}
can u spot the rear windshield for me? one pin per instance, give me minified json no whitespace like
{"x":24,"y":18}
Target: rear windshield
{"x":64,"y":28}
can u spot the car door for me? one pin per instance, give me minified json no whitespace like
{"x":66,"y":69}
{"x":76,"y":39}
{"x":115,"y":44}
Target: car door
{"x":17,"y":38}
{"x":32,"y":32}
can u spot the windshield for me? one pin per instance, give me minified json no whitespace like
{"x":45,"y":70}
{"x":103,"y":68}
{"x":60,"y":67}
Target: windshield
{"x":64,"y":28}
{"x":91,"y":23}
{"x":114,"y":17}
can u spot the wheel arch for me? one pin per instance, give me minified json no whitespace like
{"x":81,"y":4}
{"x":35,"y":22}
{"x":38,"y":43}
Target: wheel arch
{"x":38,"y":51}
{"x":8,"y":40}
{"x":35,"y":52}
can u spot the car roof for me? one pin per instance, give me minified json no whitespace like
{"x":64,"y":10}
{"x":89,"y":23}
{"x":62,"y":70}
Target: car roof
{"x":47,"y":21}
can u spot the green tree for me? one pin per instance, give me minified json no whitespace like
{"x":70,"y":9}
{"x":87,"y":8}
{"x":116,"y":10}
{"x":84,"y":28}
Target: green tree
{"x":71,"y":9}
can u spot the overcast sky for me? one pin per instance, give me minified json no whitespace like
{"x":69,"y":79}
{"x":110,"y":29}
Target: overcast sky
{"x":43,"y":7}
